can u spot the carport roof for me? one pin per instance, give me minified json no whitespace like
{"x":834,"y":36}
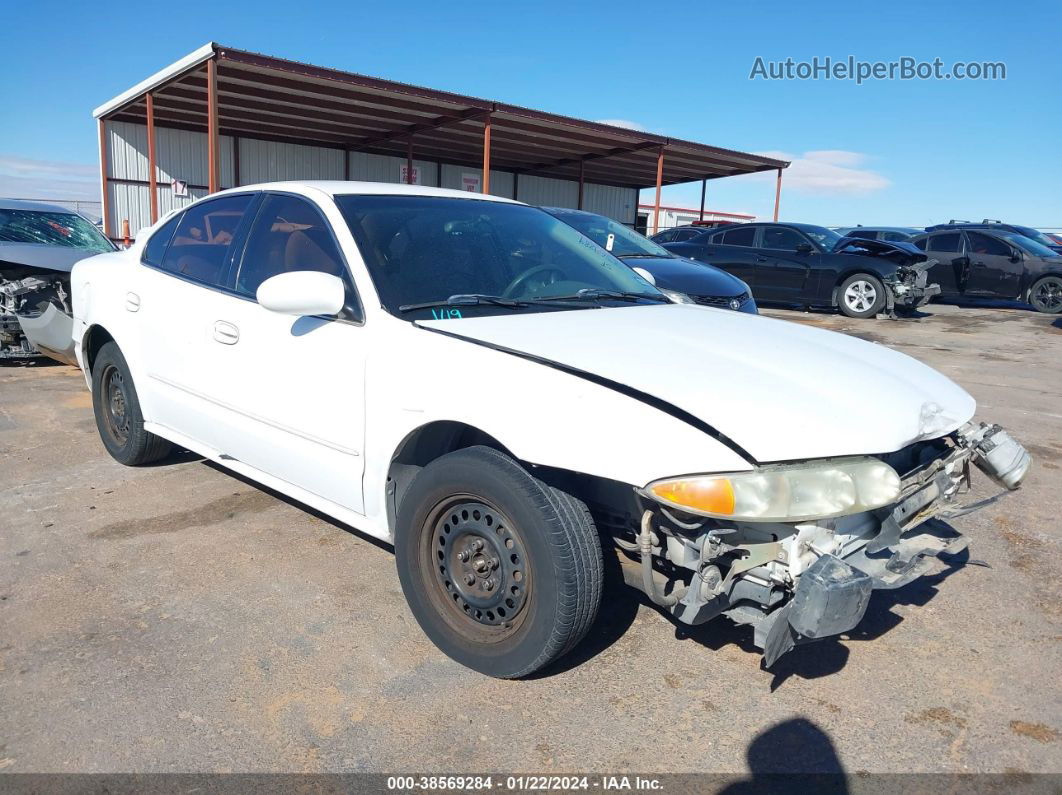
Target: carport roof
{"x":271,"y":98}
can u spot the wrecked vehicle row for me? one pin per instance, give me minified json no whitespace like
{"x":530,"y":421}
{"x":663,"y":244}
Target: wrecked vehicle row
{"x":485,"y":425}
{"x":39,"y":244}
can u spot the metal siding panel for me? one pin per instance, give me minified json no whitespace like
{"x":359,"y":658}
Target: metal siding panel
{"x":548,"y":192}
{"x":501,"y":182}
{"x":180,"y":154}
{"x":385,"y":168}
{"x":620,"y":204}
{"x":272,"y":161}
{"x":128,"y":202}
{"x":127,"y":150}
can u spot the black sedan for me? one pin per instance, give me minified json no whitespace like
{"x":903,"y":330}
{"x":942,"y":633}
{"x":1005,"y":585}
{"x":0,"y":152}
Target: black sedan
{"x":681,"y":279}
{"x":813,"y":266}
{"x":987,"y":263}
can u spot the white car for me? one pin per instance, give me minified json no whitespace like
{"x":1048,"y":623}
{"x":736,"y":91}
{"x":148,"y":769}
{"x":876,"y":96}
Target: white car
{"x":473,"y":380}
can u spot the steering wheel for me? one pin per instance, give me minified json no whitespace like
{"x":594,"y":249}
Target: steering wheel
{"x":523,"y":278}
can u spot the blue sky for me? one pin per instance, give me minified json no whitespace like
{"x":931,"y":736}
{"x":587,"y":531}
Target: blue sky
{"x":885,"y":152}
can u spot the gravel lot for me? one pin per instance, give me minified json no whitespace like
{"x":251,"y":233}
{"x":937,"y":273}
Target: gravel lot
{"x":176,"y":618}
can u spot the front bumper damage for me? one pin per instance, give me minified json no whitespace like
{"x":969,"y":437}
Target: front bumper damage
{"x":802,"y":582}
{"x":909,"y":287}
{"x":35,"y":315}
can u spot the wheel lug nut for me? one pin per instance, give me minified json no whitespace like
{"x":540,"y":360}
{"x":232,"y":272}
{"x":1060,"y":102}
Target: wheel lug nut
{"x":494,"y":563}
{"x":489,"y":584}
{"x":463,"y":555}
{"x":470,"y":579}
{"x":477,"y":544}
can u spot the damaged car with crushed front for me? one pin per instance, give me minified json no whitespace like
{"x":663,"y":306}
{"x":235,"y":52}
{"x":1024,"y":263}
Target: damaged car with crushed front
{"x":513,"y":408}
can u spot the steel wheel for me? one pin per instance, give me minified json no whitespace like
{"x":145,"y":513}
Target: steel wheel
{"x":482,"y":572}
{"x":1046,"y":295}
{"x":116,"y":411}
{"x":860,"y":296}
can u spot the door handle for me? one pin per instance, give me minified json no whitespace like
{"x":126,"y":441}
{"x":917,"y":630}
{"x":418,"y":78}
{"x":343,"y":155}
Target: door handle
{"x":761,"y":259}
{"x":226,"y":333}
{"x":132,"y":302}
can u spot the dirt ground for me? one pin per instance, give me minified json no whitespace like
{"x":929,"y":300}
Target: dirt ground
{"x":177,"y":618}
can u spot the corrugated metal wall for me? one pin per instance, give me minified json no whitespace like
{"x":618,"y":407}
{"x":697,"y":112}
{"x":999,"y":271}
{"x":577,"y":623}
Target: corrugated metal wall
{"x":182,"y":155}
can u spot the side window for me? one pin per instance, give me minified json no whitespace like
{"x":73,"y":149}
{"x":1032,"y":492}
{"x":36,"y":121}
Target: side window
{"x":781,"y":238}
{"x":160,"y":238}
{"x":921,"y":243}
{"x":687,"y":234}
{"x":289,"y":234}
{"x":948,"y":242}
{"x":202,"y":239}
{"x":742,"y":236}
{"x":667,"y":236}
{"x":983,"y":244}
{"x":893,"y":237}
{"x":862,"y":233}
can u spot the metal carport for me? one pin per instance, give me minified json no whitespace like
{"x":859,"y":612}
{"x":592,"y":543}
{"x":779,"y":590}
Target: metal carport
{"x":226,"y":99}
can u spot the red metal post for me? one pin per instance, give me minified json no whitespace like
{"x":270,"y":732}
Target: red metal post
{"x":777,"y":194}
{"x":103,"y":179}
{"x":409,"y":161}
{"x":659,"y":182}
{"x":213,"y":149}
{"x":582,"y":165}
{"x":152,"y":181}
{"x":486,"y":153}
{"x":704,"y":187}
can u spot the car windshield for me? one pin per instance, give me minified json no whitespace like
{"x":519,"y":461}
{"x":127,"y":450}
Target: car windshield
{"x":1035,"y":235}
{"x":1031,"y":246}
{"x":442,"y":257}
{"x":54,"y":229}
{"x":612,"y":236}
{"x":825,"y":238}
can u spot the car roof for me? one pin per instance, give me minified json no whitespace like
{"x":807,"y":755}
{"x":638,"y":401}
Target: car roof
{"x":38,"y":207}
{"x":351,"y":188}
{"x":908,"y":229}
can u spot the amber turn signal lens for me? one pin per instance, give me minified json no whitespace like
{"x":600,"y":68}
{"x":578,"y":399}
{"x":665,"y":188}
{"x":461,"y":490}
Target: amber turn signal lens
{"x":708,"y":495}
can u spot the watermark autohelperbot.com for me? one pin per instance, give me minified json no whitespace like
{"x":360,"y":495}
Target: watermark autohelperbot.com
{"x":851,"y":68}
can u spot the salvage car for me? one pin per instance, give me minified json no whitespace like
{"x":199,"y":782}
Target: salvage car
{"x":989,"y":225}
{"x":814,"y":266}
{"x":503,"y":400}
{"x":991,"y":263}
{"x":681,"y":279}
{"x":39,"y":244}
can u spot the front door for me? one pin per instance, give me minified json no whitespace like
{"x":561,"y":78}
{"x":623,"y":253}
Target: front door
{"x":294,"y":386}
{"x":993,"y":271}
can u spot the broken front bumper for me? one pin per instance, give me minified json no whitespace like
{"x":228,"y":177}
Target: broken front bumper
{"x":832,"y":594}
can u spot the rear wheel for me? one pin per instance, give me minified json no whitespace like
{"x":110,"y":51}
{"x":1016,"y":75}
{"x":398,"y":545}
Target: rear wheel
{"x":861,"y":295}
{"x":502,"y":572}
{"x":117,"y":409}
{"x":1046,"y":295}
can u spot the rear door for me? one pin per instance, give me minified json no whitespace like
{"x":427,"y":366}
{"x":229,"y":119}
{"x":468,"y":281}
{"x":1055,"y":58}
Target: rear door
{"x":786,"y":273}
{"x":734,"y":250}
{"x":992,"y":271}
{"x":179,"y":301}
{"x":950,"y":269}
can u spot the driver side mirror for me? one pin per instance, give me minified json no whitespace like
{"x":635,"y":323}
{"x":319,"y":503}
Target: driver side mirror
{"x":302,"y":293}
{"x":645,"y":275}
{"x":804,"y":248}
{"x":1015,"y":255}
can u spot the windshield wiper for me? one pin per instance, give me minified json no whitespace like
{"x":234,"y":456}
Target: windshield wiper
{"x":638,"y":256}
{"x":595,"y":294}
{"x":466,"y":299}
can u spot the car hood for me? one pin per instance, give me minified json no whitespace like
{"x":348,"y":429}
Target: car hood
{"x":890,"y":249}
{"x":688,"y":276}
{"x":41,"y":255}
{"x":779,"y":390}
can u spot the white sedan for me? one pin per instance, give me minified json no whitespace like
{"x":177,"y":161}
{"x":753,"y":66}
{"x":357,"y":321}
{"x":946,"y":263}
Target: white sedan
{"x":502,"y":399}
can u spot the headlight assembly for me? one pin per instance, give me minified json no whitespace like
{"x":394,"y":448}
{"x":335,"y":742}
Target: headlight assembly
{"x":784,"y":492}
{"x":677,"y":297}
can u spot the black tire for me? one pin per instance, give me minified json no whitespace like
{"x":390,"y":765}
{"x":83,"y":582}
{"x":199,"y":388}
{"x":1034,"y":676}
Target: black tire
{"x":1046,"y":295}
{"x":861,"y":295}
{"x":117,"y":409}
{"x":538,"y":546}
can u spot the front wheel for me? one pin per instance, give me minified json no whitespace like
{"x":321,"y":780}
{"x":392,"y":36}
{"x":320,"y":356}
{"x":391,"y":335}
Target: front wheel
{"x":117,"y":409}
{"x":861,"y":295}
{"x":502,"y":572}
{"x":1046,"y":295}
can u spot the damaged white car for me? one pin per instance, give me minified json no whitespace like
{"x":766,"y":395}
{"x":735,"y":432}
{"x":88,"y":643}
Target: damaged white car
{"x":39,"y":244}
{"x":478,"y":383}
